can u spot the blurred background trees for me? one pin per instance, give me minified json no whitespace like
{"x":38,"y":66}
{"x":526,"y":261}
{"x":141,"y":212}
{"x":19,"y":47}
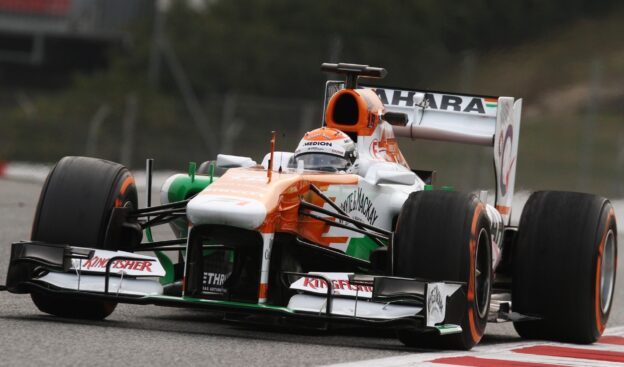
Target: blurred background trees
{"x":183,"y":80}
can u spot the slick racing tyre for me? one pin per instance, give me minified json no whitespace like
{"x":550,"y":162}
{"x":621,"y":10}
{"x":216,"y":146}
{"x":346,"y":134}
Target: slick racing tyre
{"x":445,"y":236}
{"x":74,"y":209}
{"x":564,"y":265}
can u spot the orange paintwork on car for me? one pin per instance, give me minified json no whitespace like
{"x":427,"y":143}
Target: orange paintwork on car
{"x":369,"y":106}
{"x":281,"y":198}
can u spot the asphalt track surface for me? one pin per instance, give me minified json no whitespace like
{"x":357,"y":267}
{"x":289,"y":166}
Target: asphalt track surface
{"x":151,"y":335}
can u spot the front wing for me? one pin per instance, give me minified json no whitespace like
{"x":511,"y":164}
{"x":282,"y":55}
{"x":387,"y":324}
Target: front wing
{"x":379,"y":301}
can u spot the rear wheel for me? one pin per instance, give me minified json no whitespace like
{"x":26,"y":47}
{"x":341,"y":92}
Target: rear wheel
{"x":446,"y":236}
{"x":564,"y":266}
{"x":74,"y":209}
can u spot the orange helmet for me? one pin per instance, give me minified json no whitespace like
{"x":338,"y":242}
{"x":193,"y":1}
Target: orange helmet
{"x":326,"y":149}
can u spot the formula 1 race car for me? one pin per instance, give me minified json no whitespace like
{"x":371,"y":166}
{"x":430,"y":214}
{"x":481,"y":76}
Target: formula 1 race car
{"x":340,"y":231}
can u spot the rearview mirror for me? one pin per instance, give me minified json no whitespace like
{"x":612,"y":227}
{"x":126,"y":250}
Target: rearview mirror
{"x":394,"y":177}
{"x":281,"y":160}
{"x":233,"y":161}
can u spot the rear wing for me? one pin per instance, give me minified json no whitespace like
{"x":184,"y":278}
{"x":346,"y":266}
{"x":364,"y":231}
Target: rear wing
{"x":479,"y":120}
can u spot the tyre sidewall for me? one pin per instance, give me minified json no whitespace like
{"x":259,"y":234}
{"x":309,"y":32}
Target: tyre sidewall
{"x":77,"y":199}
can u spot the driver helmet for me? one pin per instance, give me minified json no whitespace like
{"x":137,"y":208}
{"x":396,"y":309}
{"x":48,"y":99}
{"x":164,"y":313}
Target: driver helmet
{"x":326,"y":149}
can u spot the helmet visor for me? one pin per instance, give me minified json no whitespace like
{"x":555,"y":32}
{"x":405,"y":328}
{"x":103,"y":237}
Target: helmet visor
{"x":321,"y":162}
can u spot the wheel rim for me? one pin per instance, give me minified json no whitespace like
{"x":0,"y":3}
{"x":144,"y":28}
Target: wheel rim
{"x":483,"y":270}
{"x":607,"y":272}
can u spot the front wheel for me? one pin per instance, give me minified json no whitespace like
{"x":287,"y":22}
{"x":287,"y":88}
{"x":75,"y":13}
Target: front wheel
{"x":74,"y":208}
{"x":445,"y":236}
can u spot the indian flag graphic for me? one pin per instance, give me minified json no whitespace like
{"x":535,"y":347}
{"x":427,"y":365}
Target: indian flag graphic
{"x":491,"y":102}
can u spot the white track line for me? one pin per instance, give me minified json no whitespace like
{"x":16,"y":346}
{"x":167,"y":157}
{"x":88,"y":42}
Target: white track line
{"x":614,"y":331}
{"x":492,"y":351}
{"x":540,"y":358}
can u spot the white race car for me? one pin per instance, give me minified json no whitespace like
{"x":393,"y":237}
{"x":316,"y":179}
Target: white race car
{"x":339,"y":231}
